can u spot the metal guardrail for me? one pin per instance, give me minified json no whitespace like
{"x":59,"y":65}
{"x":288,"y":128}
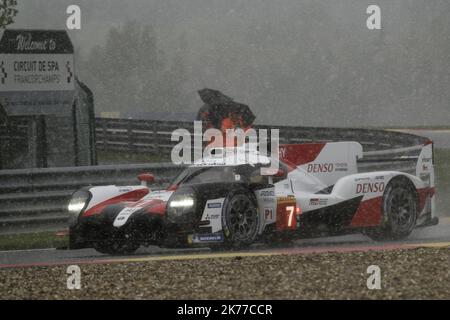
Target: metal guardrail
{"x":34,"y":200}
{"x":155,"y":136}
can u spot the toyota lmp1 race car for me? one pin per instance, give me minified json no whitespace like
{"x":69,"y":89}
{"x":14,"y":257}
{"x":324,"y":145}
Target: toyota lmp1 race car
{"x":315,"y":191}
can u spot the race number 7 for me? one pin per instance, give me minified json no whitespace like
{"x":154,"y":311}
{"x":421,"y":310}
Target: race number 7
{"x":290,"y":210}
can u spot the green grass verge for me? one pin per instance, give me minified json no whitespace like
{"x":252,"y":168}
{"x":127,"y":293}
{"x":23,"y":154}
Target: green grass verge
{"x":32,"y":241}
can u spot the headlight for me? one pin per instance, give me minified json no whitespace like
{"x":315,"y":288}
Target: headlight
{"x":185,"y":202}
{"x":76,"y":204}
{"x":181,"y":205}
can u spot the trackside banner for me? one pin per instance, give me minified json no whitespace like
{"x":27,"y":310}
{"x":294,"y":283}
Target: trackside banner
{"x":36,"y":72}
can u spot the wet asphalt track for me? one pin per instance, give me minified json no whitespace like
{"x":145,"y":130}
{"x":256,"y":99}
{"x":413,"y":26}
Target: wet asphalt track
{"x":435,"y":236}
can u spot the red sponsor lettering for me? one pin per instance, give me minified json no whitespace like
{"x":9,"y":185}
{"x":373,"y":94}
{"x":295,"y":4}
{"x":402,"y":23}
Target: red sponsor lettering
{"x":370,"y":187}
{"x":320,"y":167}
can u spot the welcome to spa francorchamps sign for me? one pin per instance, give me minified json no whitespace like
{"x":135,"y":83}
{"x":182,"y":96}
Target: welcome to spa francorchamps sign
{"x":36,"y":72}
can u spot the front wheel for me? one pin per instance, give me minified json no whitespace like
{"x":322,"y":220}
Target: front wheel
{"x":400,"y":210}
{"x":241,"y":220}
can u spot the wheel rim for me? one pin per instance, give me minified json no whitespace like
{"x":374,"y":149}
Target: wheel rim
{"x":242,"y":218}
{"x":401,"y":210}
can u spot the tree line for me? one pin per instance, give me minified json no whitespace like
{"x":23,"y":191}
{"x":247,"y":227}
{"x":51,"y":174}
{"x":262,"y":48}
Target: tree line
{"x":129,"y":73}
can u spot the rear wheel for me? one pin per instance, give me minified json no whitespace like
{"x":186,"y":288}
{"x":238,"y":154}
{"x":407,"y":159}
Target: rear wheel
{"x":400,"y":210}
{"x":241,"y":220}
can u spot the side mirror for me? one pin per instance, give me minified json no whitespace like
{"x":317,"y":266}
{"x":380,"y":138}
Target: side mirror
{"x":146,"y":178}
{"x":279,"y":173}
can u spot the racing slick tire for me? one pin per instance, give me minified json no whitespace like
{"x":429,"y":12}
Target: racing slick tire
{"x":116,"y":247}
{"x":240,"y":219}
{"x":400,"y":211}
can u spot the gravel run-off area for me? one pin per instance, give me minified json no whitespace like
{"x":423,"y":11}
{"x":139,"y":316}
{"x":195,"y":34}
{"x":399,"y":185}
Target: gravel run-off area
{"x":422,"y":273}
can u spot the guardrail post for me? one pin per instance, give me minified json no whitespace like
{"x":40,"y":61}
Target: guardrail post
{"x":32,"y":144}
{"x":105,"y":134}
{"x":130,"y":136}
{"x":155,"y":142}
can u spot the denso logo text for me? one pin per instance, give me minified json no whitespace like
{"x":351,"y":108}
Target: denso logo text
{"x":370,"y":187}
{"x":320,"y":167}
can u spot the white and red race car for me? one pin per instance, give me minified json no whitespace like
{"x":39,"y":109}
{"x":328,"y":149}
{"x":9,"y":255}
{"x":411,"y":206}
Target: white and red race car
{"x":317,"y":190}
